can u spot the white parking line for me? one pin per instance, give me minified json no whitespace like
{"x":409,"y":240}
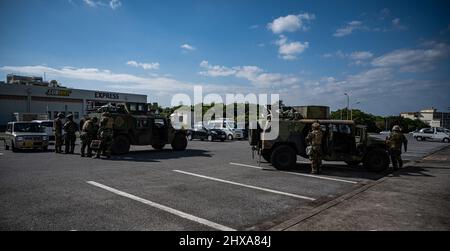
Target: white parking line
{"x":248,"y":186}
{"x":299,"y":174}
{"x":164,"y":208}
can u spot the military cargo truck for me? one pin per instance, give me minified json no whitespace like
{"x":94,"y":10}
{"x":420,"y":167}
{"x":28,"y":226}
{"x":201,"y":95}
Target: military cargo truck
{"x":140,"y":124}
{"x":343,"y":140}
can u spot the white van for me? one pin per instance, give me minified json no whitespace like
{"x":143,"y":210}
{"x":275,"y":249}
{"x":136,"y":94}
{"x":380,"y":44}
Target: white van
{"x":228,"y":126}
{"x":434,"y":134}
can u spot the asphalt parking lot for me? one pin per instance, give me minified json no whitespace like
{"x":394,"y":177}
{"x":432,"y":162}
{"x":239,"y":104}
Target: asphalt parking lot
{"x":210,"y":186}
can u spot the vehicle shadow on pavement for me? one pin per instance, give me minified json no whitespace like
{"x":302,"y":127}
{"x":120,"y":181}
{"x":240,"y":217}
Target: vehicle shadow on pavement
{"x":415,"y":171}
{"x":156,"y":155}
{"x":343,"y":171}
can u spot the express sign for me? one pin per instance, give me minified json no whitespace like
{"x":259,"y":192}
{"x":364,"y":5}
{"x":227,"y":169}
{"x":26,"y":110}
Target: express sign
{"x":106,"y":95}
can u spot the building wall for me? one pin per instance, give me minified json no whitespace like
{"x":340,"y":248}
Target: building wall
{"x":8,"y":106}
{"x":431,"y":117}
{"x":42,"y":99}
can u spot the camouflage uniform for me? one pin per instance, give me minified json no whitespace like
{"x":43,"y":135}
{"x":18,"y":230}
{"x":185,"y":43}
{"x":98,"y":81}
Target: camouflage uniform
{"x":105,"y":134}
{"x":88,"y":133}
{"x":314,"y":139}
{"x":70,"y":127}
{"x":57,"y":130}
{"x":395,"y":141}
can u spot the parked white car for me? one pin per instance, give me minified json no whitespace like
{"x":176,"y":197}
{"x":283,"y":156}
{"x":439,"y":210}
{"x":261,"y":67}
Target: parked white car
{"x":25,"y":135}
{"x":228,"y":126}
{"x":433,"y":133}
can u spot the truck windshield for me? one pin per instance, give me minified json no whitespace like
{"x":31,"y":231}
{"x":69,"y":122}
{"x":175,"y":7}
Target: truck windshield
{"x":28,"y":127}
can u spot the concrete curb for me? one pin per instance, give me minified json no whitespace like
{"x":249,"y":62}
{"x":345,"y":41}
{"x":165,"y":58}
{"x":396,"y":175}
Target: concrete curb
{"x":302,"y":217}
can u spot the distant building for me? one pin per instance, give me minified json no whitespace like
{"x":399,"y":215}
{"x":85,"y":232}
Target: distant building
{"x":430,"y":116}
{"x":33,"y":95}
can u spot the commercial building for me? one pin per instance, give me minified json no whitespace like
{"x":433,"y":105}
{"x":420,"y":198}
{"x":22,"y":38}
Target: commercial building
{"x":430,"y":116}
{"x":32,"y":95}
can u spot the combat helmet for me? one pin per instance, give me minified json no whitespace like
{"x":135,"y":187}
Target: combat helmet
{"x":70,"y":116}
{"x":60,"y":115}
{"x":396,"y":128}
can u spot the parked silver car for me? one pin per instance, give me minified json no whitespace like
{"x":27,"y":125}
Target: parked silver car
{"x":26,"y":135}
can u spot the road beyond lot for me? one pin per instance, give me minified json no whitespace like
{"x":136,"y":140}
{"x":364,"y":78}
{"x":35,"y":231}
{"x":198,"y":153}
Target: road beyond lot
{"x":210,"y":186}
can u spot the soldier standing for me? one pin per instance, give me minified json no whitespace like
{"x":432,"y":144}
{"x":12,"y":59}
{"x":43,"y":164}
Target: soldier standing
{"x":395,"y":141}
{"x":70,"y":127}
{"x":82,"y":121}
{"x":88,"y":133}
{"x":57,"y":130}
{"x":314,"y":139}
{"x":105,"y":134}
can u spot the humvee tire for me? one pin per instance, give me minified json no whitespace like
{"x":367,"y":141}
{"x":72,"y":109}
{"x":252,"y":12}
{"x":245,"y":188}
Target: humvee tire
{"x":120,"y":145}
{"x":376,"y":161}
{"x":266,"y":155}
{"x":283,"y":157}
{"x":179,"y":142}
{"x":158,"y":146}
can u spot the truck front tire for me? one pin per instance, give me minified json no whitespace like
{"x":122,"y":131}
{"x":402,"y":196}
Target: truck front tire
{"x":376,"y":161}
{"x":179,"y":142}
{"x":283,"y":157}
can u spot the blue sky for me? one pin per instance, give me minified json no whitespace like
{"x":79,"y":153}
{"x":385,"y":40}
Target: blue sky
{"x":390,"y":56}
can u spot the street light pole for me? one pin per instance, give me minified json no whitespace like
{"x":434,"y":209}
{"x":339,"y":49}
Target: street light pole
{"x":351,"y":111}
{"x":348,"y":104}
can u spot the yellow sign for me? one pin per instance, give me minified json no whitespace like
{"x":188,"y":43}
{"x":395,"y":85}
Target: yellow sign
{"x":58,"y":92}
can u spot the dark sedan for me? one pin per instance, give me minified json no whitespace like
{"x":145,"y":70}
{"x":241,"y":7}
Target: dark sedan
{"x":202,"y":133}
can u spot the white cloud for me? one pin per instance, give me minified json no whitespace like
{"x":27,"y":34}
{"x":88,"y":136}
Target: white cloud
{"x":397,"y":25}
{"x":361,"y":55}
{"x":216,"y":70}
{"x":289,"y":50}
{"x":117,"y":80}
{"x":348,"y":28}
{"x":414,"y":60}
{"x":113,"y":4}
{"x":90,"y":3}
{"x":257,"y":76}
{"x":375,"y":88}
{"x":290,"y":23}
{"x":145,"y":66}
{"x":357,"y":57}
{"x":188,"y":47}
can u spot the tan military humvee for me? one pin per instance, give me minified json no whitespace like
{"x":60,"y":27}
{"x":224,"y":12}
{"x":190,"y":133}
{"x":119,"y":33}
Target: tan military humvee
{"x":342,"y":140}
{"x":138,"y":124}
